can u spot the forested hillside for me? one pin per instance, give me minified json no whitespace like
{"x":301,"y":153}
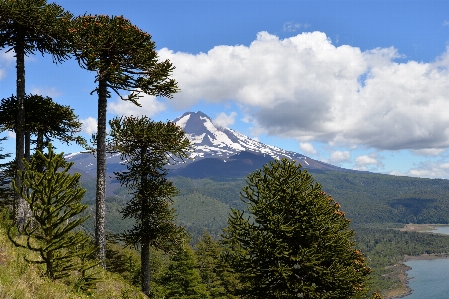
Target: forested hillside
{"x":376,"y":204}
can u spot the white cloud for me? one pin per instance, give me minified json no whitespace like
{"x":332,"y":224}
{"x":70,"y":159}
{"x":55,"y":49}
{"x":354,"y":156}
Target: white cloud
{"x":427,"y":169}
{"x":6,"y":59}
{"x":307,"y":148}
{"x":337,"y":157}
{"x":12,"y":134}
{"x":89,"y":125}
{"x":429,"y":151}
{"x":365,"y":161}
{"x":150,"y":106}
{"x":307,"y":88}
{"x":51,"y":92}
{"x":292,"y":27}
{"x":224,"y":120}
{"x":446,"y":23}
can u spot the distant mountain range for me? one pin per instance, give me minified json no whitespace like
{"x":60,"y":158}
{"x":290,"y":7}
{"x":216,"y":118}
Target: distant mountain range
{"x":219,"y":152}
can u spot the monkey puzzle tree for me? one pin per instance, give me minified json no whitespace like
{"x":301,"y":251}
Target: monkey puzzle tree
{"x":54,"y":196}
{"x":5,"y":190}
{"x":43,"y":118}
{"x":124,"y":58}
{"x":26,"y":27}
{"x":147,"y":147}
{"x":296,"y":243}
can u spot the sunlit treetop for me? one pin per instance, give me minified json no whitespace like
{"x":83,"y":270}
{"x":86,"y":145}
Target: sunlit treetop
{"x":121,"y":54}
{"x":40,"y":26}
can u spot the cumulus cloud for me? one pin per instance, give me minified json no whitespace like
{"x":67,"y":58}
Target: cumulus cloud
{"x":46,"y":91}
{"x":362,"y":162}
{"x":12,"y":134}
{"x":309,"y":89}
{"x":307,"y":148}
{"x":89,"y":125}
{"x":224,"y":120}
{"x":150,"y":107}
{"x":430,"y":169}
{"x":337,"y":157}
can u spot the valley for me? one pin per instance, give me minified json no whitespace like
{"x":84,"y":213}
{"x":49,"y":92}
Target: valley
{"x":387,"y":212}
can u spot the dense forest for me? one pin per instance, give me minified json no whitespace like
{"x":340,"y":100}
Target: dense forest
{"x":376,"y":204}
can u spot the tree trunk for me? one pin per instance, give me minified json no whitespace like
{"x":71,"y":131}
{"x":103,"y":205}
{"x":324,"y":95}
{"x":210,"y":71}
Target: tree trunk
{"x":100,"y":238}
{"x":145,"y":264}
{"x":20,"y":204}
{"x":145,"y":233}
{"x":27,"y":155}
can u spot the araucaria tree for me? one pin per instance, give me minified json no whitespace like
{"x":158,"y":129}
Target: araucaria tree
{"x":26,"y":27}
{"x":147,"y":147}
{"x":124,"y":58}
{"x":54,"y":196}
{"x":296,"y":243}
{"x":44,"y":118}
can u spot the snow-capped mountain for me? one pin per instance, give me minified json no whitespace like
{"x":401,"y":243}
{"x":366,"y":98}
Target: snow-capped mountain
{"x":212,"y":141}
{"x":220,"y":144}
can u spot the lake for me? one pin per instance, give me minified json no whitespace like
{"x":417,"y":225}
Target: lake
{"x":429,"y":279}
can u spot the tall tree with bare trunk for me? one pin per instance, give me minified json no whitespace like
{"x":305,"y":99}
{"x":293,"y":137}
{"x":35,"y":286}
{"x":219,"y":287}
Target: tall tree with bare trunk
{"x":124,"y":59}
{"x":27,"y":27}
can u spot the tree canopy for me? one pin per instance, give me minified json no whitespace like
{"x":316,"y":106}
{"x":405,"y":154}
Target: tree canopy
{"x":124,"y":59}
{"x":147,"y":147}
{"x":295,"y":242}
{"x":43,"y":118}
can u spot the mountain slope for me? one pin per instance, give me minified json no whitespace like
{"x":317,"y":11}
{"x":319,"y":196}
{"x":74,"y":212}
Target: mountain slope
{"x":219,"y":152}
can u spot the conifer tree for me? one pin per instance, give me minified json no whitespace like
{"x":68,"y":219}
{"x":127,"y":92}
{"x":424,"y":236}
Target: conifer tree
{"x":220,"y":282}
{"x":147,"y":147}
{"x":26,"y":27}
{"x":182,"y":280}
{"x":124,"y":58}
{"x":296,"y":243}
{"x":5,"y":190}
{"x":54,"y":197}
{"x":44,"y":118}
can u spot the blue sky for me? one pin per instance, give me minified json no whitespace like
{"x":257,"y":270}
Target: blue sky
{"x":359,"y":84}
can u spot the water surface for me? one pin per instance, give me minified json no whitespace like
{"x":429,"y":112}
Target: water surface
{"x":429,"y":279}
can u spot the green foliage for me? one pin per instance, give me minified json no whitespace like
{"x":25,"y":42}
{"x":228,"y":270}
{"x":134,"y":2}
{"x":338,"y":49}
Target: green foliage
{"x":182,"y":280}
{"x":5,"y":189}
{"x":297,"y":242}
{"x":43,"y":118}
{"x":123,"y":55}
{"x":197,"y":212}
{"x":385,"y":247}
{"x":39,"y":26}
{"x":54,"y":197}
{"x":148,"y":147}
{"x":215,"y":274}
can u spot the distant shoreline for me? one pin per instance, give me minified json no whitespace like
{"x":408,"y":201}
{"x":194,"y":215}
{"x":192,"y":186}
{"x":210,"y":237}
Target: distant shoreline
{"x":404,"y":289}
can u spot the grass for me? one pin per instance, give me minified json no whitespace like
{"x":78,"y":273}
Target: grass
{"x":22,"y":280}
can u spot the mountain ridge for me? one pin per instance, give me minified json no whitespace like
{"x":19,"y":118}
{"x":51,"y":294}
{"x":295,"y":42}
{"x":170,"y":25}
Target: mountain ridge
{"x":217,"y":152}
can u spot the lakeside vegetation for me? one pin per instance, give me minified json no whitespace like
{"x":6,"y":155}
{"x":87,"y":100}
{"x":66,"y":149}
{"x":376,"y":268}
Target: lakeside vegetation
{"x":369,"y":200}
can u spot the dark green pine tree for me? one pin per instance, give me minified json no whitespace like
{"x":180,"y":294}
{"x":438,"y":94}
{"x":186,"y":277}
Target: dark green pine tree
{"x":54,"y":196}
{"x":182,"y":279}
{"x":6,"y":192}
{"x":44,"y":118}
{"x":124,"y":58}
{"x":221,"y":283}
{"x":295,"y":242}
{"x":26,"y":27}
{"x":147,"y":147}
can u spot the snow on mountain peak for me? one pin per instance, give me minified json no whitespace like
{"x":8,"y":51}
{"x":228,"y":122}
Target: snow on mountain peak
{"x":211,"y":140}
